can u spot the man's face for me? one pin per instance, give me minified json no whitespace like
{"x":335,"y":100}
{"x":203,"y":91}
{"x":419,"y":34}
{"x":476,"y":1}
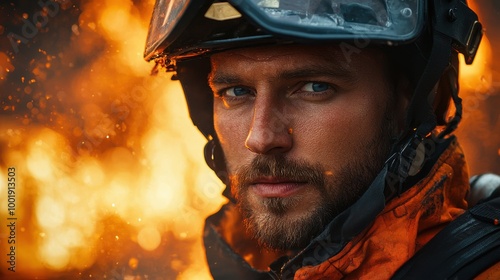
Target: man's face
{"x":304,"y":131}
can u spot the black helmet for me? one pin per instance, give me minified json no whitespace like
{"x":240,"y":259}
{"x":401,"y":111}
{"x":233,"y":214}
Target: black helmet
{"x":425,"y":36}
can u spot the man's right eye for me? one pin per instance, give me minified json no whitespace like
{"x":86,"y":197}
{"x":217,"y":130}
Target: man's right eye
{"x":236,"y":91}
{"x":234,"y":96}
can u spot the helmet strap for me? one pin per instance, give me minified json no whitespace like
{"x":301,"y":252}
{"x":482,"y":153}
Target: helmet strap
{"x":455,"y":27}
{"x":409,"y":152}
{"x":420,"y":115}
{"x":452,"y":124}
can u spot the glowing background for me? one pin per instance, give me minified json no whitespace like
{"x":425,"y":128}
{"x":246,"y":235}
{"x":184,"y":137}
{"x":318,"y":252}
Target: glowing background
{"x":111,"y":181}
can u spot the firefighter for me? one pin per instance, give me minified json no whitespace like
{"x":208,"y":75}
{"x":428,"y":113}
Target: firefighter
{"x":329,"y":123}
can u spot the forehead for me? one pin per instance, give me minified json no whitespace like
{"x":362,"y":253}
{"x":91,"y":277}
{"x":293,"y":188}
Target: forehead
{"x":338,"y":57}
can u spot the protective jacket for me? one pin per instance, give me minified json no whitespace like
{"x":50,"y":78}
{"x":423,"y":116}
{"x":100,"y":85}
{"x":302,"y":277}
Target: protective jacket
{"x":354,"y":247}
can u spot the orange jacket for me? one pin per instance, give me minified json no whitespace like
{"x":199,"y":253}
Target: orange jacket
{"x":406,"y":224}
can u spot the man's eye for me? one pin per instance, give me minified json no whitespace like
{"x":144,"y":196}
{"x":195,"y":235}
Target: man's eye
{"x":234,"y":96}
{"x":315,"y":87}
{"x":236,"y":91}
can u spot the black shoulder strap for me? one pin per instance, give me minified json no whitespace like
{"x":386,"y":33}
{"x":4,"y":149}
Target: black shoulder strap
{"x":463,"y":249}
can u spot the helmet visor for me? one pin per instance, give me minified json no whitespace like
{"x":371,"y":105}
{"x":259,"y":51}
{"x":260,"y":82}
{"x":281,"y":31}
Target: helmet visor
{"x":382,"y":21}
{"x":166,"y":15}
{"x":394,"y":20}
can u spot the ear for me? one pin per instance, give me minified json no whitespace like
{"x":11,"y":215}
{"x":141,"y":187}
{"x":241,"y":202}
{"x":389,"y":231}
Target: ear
{"x":214,"y":158}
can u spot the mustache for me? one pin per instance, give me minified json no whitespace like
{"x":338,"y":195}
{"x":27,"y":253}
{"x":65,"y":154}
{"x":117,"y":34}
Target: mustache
{"x":279,"y":166}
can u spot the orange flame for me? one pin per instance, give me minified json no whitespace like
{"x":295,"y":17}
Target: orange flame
{"x":124,"y":155}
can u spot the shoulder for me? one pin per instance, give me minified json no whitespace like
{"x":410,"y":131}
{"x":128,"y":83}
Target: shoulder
{"x":466,"y":248}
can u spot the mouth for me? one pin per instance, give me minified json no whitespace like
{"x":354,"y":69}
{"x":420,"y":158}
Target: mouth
{"x":276,"y":187}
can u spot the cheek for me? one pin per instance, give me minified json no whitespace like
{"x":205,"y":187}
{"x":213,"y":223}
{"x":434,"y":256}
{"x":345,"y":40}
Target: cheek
{"x":337,"y":135}
{"x":328,"y":141}
{"x":231,"y":130}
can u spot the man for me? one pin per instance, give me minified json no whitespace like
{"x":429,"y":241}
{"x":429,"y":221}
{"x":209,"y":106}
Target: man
{"x":327,"y":121}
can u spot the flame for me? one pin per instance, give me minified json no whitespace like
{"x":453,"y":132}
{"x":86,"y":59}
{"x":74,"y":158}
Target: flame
{"x":118,"y":174}
{"x":479,"y":88}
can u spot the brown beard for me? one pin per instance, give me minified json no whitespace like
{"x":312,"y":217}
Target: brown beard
{"x":270,"y":223}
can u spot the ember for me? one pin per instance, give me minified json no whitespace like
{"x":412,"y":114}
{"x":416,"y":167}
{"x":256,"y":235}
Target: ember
{"x":109,"y":175}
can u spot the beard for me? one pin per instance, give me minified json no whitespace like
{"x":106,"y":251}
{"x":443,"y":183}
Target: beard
{"x":274,"y":222}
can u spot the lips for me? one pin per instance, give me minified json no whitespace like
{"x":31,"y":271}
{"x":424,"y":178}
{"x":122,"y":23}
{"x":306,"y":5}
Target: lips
{"x":276,"y":187}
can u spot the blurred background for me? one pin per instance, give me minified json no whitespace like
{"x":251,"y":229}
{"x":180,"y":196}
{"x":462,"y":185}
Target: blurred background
{"x":110,"y":177}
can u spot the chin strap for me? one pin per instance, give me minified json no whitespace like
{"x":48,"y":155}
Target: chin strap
{"x":455,"y":25}
{"x":410,"y":155}
{"x":453,"y":122}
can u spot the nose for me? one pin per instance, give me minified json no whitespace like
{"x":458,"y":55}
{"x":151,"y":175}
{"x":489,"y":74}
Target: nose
{"x":270,"y":131}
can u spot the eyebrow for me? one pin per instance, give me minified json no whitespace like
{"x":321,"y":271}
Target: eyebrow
{"x":311,"y":70}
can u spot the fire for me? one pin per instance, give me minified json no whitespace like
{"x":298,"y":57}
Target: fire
{"x":110,"y":177}
{"x":113,"y":184}
{"x":479,"y":89}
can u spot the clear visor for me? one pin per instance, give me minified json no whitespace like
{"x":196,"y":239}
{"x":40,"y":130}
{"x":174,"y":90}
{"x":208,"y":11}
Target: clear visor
{"x":166,"y":15}
{"x":378,"y":19}
{"x":389,"y":21}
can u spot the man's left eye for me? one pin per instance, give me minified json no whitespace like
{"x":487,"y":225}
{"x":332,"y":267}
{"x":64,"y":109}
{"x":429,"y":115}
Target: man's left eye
{"x":315,"y":87}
